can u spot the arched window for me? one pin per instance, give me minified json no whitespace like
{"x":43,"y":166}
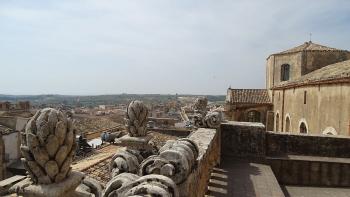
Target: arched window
{"x":253,"y":116}
{"x":277,"y":121}
{"x":329,"y":131}
{"x":287,"y":124}
{"x":303,"y":128}
{"x":285,"y":72}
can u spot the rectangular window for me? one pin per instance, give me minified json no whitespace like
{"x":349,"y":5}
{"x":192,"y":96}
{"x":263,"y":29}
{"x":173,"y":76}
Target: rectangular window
{"x":304,"y":97}
{"x":285,"y":72}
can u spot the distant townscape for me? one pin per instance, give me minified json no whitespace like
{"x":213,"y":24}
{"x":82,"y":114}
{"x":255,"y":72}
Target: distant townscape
{"x":289,"y":139}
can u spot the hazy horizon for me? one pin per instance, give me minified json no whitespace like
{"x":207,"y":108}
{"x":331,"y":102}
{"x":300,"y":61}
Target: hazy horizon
{"x":110,"y":94}
{"x":89,"y":47}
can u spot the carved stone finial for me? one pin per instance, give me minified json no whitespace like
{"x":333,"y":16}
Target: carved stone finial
{"x":48,"y":146}
{"x":200,"y":105}
{"x":213,"y":119}
{"x":125,"y":160}
{"x":136,"y":119}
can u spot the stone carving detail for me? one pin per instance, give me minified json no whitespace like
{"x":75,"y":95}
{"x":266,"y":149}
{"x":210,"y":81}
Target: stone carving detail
{"x":48,"y":146}
{"x":200,"y":105}
{"x":176,"y":160}
{"x":137,"y":144}
{"x":198,"y":120}
{"x":125,"y":160}
{"x":203,"y":118}
{"x":89,"y":187}
{"x":136,"y":119}
{"x":127,"y":184}
{"x":212,"y":119}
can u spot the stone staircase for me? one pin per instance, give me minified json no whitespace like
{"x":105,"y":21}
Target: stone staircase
{"x":217,"y":185}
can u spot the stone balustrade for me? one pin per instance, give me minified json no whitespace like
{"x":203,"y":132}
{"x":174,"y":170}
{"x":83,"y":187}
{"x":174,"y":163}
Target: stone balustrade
{"x":137,"y":169}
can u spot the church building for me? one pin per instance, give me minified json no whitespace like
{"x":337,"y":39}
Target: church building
{"x":308,"y":88}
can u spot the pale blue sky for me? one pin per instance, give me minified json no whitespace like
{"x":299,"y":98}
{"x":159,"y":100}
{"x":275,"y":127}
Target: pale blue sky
{"x":155,"y":46}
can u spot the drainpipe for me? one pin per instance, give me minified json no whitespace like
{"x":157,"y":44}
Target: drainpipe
{"x":282,"y":110}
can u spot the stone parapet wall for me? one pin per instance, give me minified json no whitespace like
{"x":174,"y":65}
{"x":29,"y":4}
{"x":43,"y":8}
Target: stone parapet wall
{"x":243,"y":139}
{"x":278,"y":144}
{"x":208,"y":141}
{"x":311,"y":171}
{"x":296,"y":159}
{"x":250,"y":140}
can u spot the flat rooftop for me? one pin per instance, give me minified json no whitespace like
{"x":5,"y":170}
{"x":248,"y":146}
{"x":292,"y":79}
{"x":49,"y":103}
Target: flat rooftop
{"x":247,"y":179}
{"x":242,"y":179}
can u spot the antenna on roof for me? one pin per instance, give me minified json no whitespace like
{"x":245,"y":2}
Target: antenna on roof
{"x":310,"y":36}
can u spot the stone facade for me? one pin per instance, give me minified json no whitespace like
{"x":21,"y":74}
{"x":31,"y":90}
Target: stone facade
{"x":315,"y":97}
{"x":19,"y":106}
{"x":273,"y":67}
{"x":326,"y":106}
{"x":303,"y":60}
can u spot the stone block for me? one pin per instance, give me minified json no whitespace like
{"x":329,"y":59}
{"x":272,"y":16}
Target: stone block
{"x":345,"y":175}
{"x":208,"y":141}
{"x":278,"y":144}
{"x":325,"y":174}
{"x":65,"y":188}
{"x":304,"y":173}
{"x":315,"y":173}
{"x":335,"y":173}
{"x":243,"y":139}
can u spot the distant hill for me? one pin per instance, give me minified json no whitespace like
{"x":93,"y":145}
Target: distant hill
{"x":99,"y":99}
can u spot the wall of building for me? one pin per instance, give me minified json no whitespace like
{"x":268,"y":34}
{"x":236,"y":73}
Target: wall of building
{"x":2,"y":153}
{"x":11,"y":144}
{"x":240,"y":112}
{"x":21,"y":123}
{"x":8,"y":121}
{"x":317,"y":59}
{"x":327,"y":106}
{"x":274,"y":63}
{"x":269,"y":72}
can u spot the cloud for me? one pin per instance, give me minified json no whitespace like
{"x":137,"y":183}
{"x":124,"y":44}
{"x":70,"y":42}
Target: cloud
{"x":200,"y":47}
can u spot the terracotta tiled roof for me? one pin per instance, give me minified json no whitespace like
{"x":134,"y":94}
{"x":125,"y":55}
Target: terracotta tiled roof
{"x":328,"y":74}
{"x":5,"y":130}
{"x":99,"y":171}
{"x":309,"y":46}
{"x":248,"y":96}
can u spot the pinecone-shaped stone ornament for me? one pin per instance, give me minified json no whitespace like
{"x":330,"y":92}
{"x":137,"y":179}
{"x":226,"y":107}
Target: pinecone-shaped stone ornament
{"x":48,"y":146}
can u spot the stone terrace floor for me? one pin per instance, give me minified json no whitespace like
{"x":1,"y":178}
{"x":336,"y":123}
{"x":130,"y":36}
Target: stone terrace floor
{"x":243,"y":179}
{"x":296,"y":191}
